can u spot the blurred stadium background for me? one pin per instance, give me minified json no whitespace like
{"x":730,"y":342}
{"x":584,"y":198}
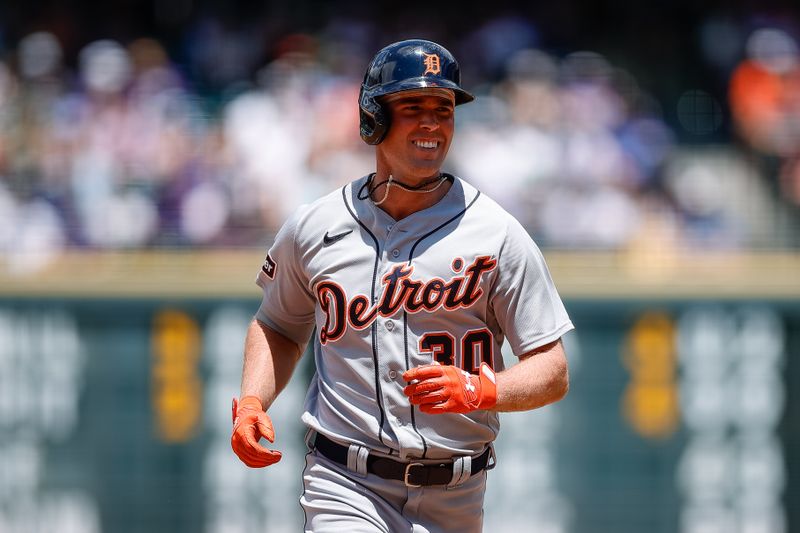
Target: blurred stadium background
{"x":150,"y":149}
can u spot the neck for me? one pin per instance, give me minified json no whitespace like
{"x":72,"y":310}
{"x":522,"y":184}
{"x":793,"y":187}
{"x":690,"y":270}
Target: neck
{"x":400,"y":199}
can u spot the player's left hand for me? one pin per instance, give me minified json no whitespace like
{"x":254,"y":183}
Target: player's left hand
{"x":446,"y":389}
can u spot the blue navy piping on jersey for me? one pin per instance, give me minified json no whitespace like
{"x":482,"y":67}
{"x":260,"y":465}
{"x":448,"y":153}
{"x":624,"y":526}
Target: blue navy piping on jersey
{"x":374,"y":327}
{"x":300,"y":501}
{"x":405,"y":314}
{"x":408,"y":365}
{"x":437,"y":228}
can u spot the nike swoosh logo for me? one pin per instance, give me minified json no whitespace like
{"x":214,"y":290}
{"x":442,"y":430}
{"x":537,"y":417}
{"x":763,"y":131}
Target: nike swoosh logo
{"x":330,"y":239}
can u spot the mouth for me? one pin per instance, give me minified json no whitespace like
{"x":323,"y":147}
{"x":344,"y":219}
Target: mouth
{"x":426,"y":145}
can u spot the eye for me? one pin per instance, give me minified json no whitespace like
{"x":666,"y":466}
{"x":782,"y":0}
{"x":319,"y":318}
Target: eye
{"x":410,"y":108}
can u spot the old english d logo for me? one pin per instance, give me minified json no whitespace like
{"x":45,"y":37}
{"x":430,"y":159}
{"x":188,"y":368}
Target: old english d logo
{"x":432,"y":65}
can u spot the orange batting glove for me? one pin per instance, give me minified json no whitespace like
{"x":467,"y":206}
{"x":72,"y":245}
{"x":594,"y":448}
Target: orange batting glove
{"x":250,"y":423}
{"x":446,"y":389}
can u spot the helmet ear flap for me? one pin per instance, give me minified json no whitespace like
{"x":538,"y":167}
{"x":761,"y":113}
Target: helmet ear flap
{"x":373,"y":118}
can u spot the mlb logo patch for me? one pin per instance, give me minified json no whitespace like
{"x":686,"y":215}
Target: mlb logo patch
{"x":269,"y":267}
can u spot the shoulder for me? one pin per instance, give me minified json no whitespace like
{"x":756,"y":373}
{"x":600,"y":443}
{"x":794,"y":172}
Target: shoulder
{"x":496,"y":224}
{"x":481,"y":206}
{"x":327,"y":210}
{"x":306,"y":226}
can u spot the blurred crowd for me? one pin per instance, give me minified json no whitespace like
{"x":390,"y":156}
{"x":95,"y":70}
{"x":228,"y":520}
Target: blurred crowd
{"x":124,"y":150}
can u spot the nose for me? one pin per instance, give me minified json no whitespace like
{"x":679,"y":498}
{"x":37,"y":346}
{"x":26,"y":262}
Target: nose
{"x":428,"y":120}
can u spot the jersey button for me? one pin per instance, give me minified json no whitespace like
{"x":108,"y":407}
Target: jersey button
{"x":390,"y":325}
{"x":395,"y":253}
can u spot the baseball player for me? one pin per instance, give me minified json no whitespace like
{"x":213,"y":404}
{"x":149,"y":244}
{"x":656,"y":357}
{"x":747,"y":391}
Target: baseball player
{"x":413,"y":280}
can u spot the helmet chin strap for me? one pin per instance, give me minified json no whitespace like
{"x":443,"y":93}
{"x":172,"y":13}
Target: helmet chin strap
{"x":421,"y":188}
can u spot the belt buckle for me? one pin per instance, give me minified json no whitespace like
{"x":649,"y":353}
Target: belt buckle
{"x":408,"y":472}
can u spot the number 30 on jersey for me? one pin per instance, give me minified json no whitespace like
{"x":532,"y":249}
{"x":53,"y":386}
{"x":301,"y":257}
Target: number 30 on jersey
{"x":476,"y":347}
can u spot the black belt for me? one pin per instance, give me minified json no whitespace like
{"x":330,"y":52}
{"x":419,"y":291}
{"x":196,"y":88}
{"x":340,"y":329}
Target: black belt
{"x":412,"y":474}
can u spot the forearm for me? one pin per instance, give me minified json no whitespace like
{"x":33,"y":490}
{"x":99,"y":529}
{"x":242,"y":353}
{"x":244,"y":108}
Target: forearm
{"x":540,"y":378}
{"x":269,"y":361}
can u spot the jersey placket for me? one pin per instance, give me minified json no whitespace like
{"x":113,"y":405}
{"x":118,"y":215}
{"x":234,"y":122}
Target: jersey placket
{"x":392,"y":340}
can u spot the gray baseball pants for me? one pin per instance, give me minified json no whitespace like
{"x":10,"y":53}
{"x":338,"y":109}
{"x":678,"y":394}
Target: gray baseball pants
{"x":336,"y":500}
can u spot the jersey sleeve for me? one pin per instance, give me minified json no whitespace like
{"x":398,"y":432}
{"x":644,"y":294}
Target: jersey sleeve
{"x":287,"y":305}
{"x":524,"y":298}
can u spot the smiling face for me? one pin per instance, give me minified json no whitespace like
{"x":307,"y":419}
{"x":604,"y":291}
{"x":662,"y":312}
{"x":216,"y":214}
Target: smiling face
{"x":420,"y":131}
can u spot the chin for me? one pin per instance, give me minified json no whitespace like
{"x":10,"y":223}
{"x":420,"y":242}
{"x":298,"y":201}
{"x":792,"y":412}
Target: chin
{"x":424,"y":173}
{"x":429,"y":168}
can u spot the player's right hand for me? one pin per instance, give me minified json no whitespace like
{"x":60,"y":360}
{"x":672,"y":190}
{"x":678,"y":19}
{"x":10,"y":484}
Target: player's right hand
{"x":250,"y":423}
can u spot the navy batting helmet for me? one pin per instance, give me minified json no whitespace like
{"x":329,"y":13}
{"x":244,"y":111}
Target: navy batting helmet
{"x":403,"y":66}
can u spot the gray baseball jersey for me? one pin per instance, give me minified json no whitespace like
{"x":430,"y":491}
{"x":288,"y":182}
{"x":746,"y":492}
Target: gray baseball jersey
{"x":448,"y":284}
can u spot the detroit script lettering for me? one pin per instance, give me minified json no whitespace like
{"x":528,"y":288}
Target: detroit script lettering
{"x":400,"y":291}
